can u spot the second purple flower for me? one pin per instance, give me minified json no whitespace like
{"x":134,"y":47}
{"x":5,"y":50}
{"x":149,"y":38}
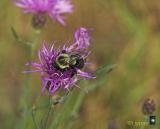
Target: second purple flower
{"x":39,"y":8}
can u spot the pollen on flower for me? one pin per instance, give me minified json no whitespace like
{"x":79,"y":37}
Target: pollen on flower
{"x":61,"y":68}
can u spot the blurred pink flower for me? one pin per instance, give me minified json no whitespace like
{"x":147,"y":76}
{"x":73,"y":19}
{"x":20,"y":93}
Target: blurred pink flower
{"x":54,"y":8}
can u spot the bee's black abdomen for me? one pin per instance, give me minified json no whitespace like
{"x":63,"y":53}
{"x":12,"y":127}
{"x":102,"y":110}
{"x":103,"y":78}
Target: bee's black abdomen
{"x":77,"y":61}
{"x":80,"y":63}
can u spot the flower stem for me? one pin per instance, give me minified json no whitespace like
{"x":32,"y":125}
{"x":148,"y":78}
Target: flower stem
{"x":26,"y":95}
{"x":34,"y":120}
{"x":48,"y":113}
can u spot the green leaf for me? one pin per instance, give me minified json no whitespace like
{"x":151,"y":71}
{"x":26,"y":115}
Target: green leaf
{"x":18,"y":38}
{"x":105,"y":69}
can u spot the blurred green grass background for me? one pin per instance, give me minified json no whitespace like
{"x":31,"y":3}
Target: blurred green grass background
{"x":125,"y":32}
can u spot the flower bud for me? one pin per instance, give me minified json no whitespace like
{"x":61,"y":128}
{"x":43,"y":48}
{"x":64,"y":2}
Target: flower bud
{"x":38,"y":20}
{"x":148,"y":107}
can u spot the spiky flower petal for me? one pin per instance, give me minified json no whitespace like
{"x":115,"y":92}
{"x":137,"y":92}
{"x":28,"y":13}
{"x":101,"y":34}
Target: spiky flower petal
{"x":82,"y":38}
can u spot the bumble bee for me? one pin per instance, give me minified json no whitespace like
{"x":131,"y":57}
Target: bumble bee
{"x":66,"y":61}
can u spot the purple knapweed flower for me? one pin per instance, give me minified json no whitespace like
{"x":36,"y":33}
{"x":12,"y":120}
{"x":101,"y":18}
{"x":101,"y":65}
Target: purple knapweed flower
{"x":54,"y":8}
{"x":62,"y":68}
